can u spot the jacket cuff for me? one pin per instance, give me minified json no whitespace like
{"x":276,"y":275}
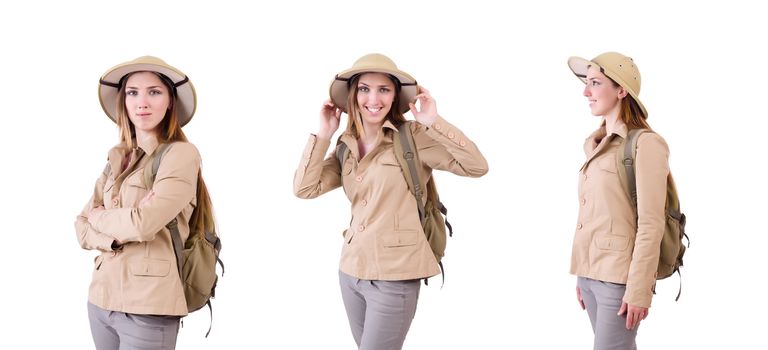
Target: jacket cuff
{"x":442,"y":129}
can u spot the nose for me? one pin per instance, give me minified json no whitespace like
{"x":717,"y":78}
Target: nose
{"x":141,"y":101}
{"x":373,"y":97}
{"x":587,"y":91}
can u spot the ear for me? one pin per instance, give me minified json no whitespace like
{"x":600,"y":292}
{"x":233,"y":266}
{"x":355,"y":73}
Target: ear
{"x":622,"y":92}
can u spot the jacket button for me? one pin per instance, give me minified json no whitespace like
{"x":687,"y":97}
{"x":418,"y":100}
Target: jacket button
{"x":451,"y":135}
{"x":585,"y":177}
{"x":583,"y":201}
{"x":360,"y":228}
{"x":359,"y":178}
{"x":579,"y":226}
{"x":364,"y":202}
{"x":462,"y":143}
{"x":115,"y":201}
{"x":437,"y":126}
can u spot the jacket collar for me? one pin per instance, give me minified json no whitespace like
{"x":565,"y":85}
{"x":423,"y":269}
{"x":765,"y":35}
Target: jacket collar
{"x":352,"y":144}
{"x":117,"y":153}
{"x":599,"y":140}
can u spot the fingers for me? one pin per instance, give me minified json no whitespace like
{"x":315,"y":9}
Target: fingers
{"x":413,"y":107}
{"x":622,"y":309}
{"x":630,"y":320}
{"x":635,"y":314}
{"x":581,"y":300}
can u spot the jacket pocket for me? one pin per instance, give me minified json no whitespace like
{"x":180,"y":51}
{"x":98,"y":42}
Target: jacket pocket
{"x":108,"y":185}
{"x":388,"y":159}
{"x":97,"y":262}
{"x":400,"y":238}
{"x":150,"y":267}
{"x":608,"y":163}
{"x":612,"y":242}
{"x":348,"y":234}
{"x":135,"y":189}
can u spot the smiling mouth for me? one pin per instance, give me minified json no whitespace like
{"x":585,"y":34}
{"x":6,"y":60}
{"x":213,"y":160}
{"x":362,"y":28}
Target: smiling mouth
{"x":373,"y":109}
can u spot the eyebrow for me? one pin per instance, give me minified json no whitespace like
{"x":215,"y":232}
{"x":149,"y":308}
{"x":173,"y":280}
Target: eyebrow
{"x":148,"y":87}
{"x":381,"y":85}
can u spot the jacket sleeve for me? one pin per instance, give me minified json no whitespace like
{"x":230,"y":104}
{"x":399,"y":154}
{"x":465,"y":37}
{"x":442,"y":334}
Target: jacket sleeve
{"x":175,"y":186}
{"x":444,"y":147}
{"x":88,"y":237}
{"x":652,"y":169}
{"x":314,"y":175}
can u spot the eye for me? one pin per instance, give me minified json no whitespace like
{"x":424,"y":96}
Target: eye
{"x":131,"y":92}
{"x":384,"y":90}
{"x":595,"y":83}
{"x":154,"y":92}
{"x":362,"y":88}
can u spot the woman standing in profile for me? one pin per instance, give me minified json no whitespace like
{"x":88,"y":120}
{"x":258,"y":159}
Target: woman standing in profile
{"x":385,"y":252}
{"x":136,"y":298}
{"x":616,"y":247}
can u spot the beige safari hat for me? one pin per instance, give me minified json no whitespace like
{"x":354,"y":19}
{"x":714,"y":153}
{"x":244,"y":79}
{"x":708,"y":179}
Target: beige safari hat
{"x":376,"y":63}
{"x":111,"y":81}
{"x":620,"y":68}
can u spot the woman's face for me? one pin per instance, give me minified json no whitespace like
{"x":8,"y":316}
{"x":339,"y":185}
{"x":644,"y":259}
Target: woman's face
{"x":147,"y":100}
{"x":604,"y":97}
{"x":375,"y":93}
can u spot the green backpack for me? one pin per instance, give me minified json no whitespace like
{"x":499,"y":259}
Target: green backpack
{"x":432,"y":213}
{"x":672,"y":247}
{"x":196,"y":258}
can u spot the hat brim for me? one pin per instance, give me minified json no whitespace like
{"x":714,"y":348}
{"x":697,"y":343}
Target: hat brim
{"x":579,"y":66}
{"x":339,"y":90}
{"x":186,"y":98}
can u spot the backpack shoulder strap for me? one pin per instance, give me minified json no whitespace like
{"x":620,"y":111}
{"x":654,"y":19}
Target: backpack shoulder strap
{"x":405,"y":152}
{"x":153,"y":164}
{"x":629,"y":148}
{"x":342,"y":153}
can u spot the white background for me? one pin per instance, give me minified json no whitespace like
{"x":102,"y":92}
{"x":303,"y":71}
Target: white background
{"x":499,"y":73}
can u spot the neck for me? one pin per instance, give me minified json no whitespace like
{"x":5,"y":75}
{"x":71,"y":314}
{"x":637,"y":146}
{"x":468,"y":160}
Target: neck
{"x":371,"y":132}
{"x":143,"y":138}
{"x":612,"y":122}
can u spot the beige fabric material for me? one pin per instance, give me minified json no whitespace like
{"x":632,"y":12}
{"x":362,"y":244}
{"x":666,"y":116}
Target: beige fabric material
{"x":611,"y":242}
{"x":141,"y":278}
{"x":620,"y":68}
{"x":385,"y":240}
{"x":377,"y":63}
{"x":186,"y":99}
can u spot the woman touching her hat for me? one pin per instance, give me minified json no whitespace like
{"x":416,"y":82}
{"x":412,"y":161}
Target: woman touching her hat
{"x":136,"y":298}
{"x":385,"y":253}
{"x":616,"y":247}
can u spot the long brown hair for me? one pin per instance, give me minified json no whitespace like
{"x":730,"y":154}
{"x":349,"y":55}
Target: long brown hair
{"x":355,"y":125}
{"x":202,"y":219}
{"x":629,"y":110}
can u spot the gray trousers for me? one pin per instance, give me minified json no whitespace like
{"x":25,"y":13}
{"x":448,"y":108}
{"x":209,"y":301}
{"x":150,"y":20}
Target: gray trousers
{"x":603,"y":301}
{"x":114,"y":330}
{"x":379,"y":312}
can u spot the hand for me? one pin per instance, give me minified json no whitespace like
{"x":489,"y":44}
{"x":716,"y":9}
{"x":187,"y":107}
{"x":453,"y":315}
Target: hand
{"x":93,"y":212}
{"x":329,"y":120}
{"x":146,"y":198}
{"x":428,"y":113}
{"x":578,"y":297}
{"x":635,"y":314}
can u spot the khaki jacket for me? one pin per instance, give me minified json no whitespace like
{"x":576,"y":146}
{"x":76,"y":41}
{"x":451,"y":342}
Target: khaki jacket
{"x":385,"y":240}
{"x":142,"y":276}
{"x":613,"y":242}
